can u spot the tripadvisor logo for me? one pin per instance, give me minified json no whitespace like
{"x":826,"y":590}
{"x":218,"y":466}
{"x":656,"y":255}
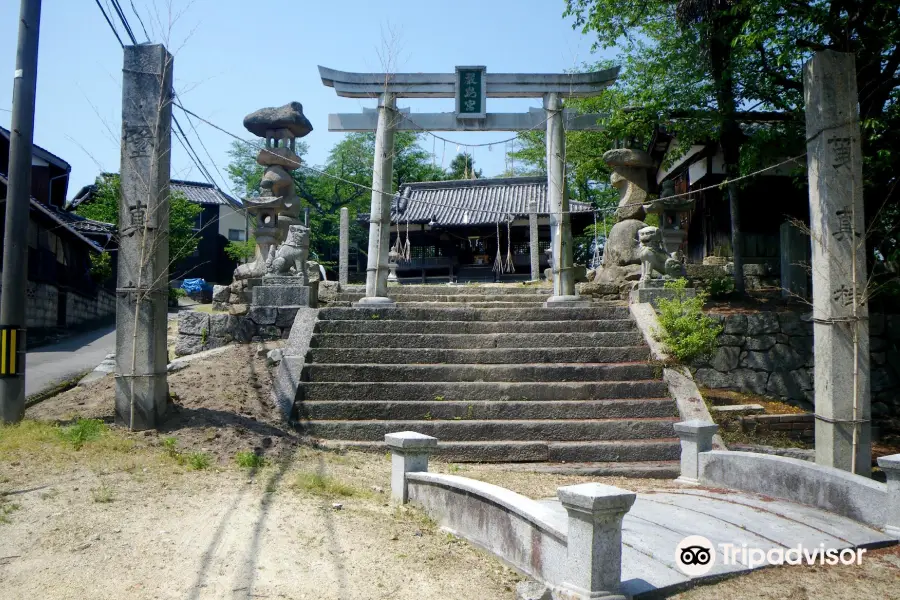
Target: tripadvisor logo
{"x":695,"y":555}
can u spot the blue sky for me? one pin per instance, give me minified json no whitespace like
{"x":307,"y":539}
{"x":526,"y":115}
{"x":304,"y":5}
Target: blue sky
{"x":234,"y":56}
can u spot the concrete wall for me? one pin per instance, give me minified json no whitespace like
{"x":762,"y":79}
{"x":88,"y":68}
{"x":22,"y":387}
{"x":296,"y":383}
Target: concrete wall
{"x":42,"y":308}
{"x":517,"y":529}
{"x":852,"y":496}
{"x":771,"y":354}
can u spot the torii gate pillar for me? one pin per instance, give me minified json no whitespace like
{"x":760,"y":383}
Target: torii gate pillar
{"x":560,"y":223}
{"x":380,"y":215}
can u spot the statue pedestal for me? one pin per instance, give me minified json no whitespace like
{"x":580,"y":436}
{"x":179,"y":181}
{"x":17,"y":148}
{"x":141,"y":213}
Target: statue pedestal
{"x":653,"y":290}
{"x":285,"y":291}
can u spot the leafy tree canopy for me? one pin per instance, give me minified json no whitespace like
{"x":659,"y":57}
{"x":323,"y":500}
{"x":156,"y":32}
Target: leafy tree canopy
{"x":104,"y":206}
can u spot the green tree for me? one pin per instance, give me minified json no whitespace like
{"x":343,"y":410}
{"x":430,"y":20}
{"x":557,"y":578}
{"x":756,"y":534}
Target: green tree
{"x":344,"y":180}
{"x":701,"y":68}
{"x":104,"y":207}
{"x":463,"y":167}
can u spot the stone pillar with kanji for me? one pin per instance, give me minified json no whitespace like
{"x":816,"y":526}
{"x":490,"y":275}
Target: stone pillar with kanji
{"x":837,"y":229}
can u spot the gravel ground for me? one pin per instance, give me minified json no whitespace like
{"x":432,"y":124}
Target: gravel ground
{"x":126,"y":517}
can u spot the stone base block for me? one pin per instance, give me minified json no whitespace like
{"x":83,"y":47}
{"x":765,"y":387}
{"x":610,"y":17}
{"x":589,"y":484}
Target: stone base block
{"x":375,"y":301}
{"x":652,"y":294}
{"x":282,"y":295}
{"x":567,"y":302}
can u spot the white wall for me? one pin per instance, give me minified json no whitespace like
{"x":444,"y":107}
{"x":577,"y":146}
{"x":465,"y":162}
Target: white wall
{"x":229,"y":218}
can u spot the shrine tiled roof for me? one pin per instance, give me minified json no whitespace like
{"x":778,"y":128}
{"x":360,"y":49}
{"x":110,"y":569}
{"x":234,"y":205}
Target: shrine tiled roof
{"x":473,"y":201}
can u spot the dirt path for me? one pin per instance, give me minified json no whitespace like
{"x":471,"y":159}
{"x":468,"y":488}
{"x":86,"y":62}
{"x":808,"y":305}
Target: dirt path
{"x":126,"y":516}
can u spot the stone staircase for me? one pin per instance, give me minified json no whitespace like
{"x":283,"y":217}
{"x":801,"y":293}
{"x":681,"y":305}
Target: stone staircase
{"x":491,"y":373}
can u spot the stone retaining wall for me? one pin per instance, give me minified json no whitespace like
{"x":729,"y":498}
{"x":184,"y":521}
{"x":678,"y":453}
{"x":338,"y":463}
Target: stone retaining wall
{"x":771,"y":354}
{"x":42,"y":306}
{"x":199,"y":331}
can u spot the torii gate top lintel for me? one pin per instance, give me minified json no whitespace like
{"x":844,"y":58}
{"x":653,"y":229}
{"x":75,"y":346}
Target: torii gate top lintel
{"x":443,"y":85}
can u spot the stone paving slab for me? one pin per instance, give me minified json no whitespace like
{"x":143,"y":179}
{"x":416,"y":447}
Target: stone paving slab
{"x":658,"y":521}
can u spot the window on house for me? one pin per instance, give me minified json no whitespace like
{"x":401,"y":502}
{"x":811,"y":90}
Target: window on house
{"x":198,"y":221}
{"x":237,"y":235}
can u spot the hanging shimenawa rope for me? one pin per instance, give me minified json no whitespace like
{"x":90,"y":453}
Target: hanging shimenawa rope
{"x":407,"y":247}
{"x":596,"y":259}
{"x":398,"y":245}
{"x":498,"y":262}
{"x":510,"y":266}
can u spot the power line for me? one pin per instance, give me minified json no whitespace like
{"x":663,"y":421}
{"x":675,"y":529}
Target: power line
{"x":110,"y":23}
{"x":392,"y":194}
{"x":140,"y":20}
{"x":124,"y":20}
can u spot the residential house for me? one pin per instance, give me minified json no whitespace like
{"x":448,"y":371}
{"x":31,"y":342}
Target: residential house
{"x":222,"y":219}
{"x":60,"y":289}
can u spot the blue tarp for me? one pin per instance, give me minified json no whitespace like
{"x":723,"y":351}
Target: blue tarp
{"x":193,"y":286}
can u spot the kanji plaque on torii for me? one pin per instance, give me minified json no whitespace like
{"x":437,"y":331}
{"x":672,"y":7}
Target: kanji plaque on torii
{"x":470,"y":93}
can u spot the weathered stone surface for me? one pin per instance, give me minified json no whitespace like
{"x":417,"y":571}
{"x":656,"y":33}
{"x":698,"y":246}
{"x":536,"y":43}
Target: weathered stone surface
{"x":269,"y":332}
{"x":779,"y":357}
{"x":730,"y":340}
{"x":290,"y":117}
{"x":739,"y":379}
{"x":532,"y":590}
{"x":193,"y":323}
{"x":282,"y":157}
{"x":760,"y":342}
{"x":286,"y":316}
{"x":238,"y":309}
{"x":725,"y":358}
{"x":189,"y":344}
{"x":792,"y":325}
{"x":281,"y":295}
{"x":274,"y":357}
{"x":220,"y":293}
{"x":244,"y":330}
{"x":736,"y":324}
{"x":263,"y":315}
{"x":221,"y":325}
{"x":622,"y":246}
{"x":218,"y":342}
{"x":763,"y":322}
{"x":789,"y":384}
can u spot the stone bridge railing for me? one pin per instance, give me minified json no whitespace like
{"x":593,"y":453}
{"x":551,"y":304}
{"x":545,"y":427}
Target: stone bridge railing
{"x":852,"y":496}
{"x":578,"y":557}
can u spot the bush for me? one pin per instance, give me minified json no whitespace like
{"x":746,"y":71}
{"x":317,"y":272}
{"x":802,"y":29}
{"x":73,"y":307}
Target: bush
{"x":720,"y":287}
{"x":686,"y":331}
{"x":175,"y":294}
{"x":101,"y":267}
{"x":241,"y":251}
{"x":81,"y":431}
{"x":250,"y":460}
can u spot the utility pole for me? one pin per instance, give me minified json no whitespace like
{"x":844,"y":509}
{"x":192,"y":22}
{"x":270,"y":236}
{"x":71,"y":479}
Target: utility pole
{"x":18,"y":203}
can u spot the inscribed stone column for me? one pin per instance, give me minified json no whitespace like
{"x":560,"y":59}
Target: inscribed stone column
{"x":344,"y":248}
{"x":841,"y":329}
{"x":533,"y":241}
{"x":563,"y":272}
{"x":380,"y":213}
{"x":143,"y":281}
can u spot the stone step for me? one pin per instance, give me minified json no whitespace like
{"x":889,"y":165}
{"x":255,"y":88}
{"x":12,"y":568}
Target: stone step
{"x":487,"y":410}
{"x":502,"y":372}
{"x":482,"y":356}
{"x":467,"y":304}
{"x":455,"y":290}
{"x":623,"y":451}
{"x":455,"y":298}
{"x":452,"y":313}
{"x":482,"y":431}
{"x":478,"y":391}
{"x":604,"y":339}
{"x":472,"y":327}
{"x":660,"y":469}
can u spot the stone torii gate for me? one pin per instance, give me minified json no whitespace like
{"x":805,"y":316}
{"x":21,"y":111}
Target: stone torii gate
{"x":471,"y":86}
